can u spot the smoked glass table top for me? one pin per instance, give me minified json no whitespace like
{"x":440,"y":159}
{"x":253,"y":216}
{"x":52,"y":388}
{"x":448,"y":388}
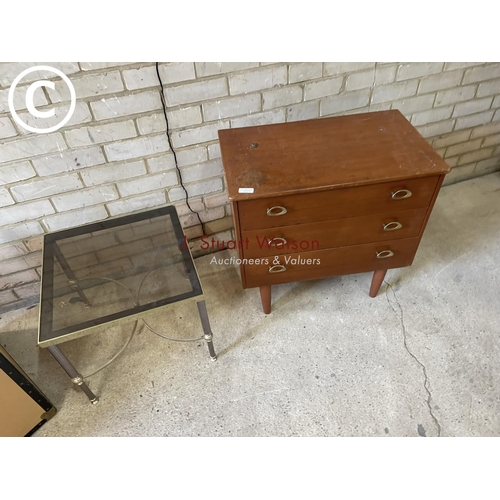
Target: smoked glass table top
{"x":113,"y":270}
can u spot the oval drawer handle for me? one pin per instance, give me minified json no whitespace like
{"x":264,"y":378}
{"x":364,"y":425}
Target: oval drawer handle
{"x":401,"y":194}
{"x":279,"y":268}
{"x":275,"y":211}
{"x":392,"y":226}
{"x":384,"y":254}
{"x":277,"y":241}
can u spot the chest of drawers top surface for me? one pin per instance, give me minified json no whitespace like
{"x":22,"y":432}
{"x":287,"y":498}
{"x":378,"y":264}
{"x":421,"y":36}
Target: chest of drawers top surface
{"x":327,"y":153}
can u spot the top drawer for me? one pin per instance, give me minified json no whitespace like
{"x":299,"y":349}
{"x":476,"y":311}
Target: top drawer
{"x":336,"y":203}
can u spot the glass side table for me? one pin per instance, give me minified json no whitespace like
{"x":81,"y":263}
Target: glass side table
{"x":117,"y":270}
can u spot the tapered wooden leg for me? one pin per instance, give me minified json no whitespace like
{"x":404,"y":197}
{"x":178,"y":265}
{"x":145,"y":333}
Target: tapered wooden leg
{"x":378,"y":277}
{"x":265,"y":297}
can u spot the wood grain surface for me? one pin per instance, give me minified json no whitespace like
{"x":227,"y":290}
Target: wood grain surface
{"x":325,"y":153}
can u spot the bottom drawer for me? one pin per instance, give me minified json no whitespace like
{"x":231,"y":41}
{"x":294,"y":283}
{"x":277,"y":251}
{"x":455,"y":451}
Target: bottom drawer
{"x":332,"y":262}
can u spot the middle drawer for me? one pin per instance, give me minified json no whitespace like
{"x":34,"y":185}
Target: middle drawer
{"x":332,"y":233}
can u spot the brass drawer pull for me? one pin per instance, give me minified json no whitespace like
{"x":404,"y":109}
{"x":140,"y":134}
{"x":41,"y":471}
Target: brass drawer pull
{"x":401,"y":194}
{"x":277,"y":242}
{"x":279,"y":268}
{"x":392,"y":226}
{"x":384,"y":254}
{"x":275,"y":211}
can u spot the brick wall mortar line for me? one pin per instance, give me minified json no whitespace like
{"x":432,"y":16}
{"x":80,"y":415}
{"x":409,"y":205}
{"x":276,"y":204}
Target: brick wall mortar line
{"x":53,"y":206}
{"x":372,"y":85}
{"x":103,"y":151}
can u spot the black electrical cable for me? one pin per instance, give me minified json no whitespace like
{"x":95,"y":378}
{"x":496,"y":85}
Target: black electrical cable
{"x":164,"y":104}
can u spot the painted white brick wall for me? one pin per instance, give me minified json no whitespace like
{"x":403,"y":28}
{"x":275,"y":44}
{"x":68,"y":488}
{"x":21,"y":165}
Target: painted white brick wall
{"x":184,"y":117}
{"x":137,"y":203}
{"x":198,"y":91}
{"x":26,"y":211}
{"x":322,"y":88}
{"x":394,"y":91}
{"x":7,"y":128}
{"x":192,"y":155}
{"x":19,"y":232}
{"x":87,"y":86}
{"x":302,"y":111}
{"x":97,"y":134}
{"x":136,"y":148}
{"x":216,"y":68}
{"x":338,"y":68}
{"x":281,"y":97}
{"x":273,"y":116}
{"x":474,"y":120}
{"x":488,"y":88}
{"x":78,"y":217}
{"x":174,"y":72}
{"x":113,"y":158}
{"x":113,"y":173}
{"x":68,"y":161}
{"x":16,"y":172}
{"x":232,"y":106}
{"x":361,"y":80}
{"x":260,"y":79}
{"x":344,"y":102}
{"x":471,"y":107}
{"x":415,"y":70}
{"x":414,"y":104}
{"x":81,"y":115}
{"x":46,"y":187}
{"x":11,"y":70}
{"x":197,"y":135}
{"x":161,"y":163}
{"x":385,"y":74}
{"x":131,"y":104}
{"x":39,"y":99}
{"x":444,"y":80}
{"x":455,"y":95}
{"x":148,"y":183}
{"x":482,"y":73}
{"x":31,"y":146}
{"x":5,"y":198}
{"x":84,"y":198}
{"x":202,"y":171}
{"x":11,"y":251}
{"x":431,"y":116}
{"x":151,"y":124}
{"x":304,"y":72}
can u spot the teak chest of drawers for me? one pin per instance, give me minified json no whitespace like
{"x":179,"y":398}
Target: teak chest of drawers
{"x":329,"y":197}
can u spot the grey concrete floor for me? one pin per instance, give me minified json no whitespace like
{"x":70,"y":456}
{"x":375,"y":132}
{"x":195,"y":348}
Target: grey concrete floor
{"x":421,"y":359}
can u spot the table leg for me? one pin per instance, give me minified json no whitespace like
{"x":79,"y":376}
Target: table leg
{"x":72,"y":372}
{"x":73,"y":282}
{"x":265,"y":297}
{"x":202,"y":311}
{"x":378,"y":277}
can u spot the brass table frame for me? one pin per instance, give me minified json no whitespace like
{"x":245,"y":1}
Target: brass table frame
{"x":51,"y":250}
